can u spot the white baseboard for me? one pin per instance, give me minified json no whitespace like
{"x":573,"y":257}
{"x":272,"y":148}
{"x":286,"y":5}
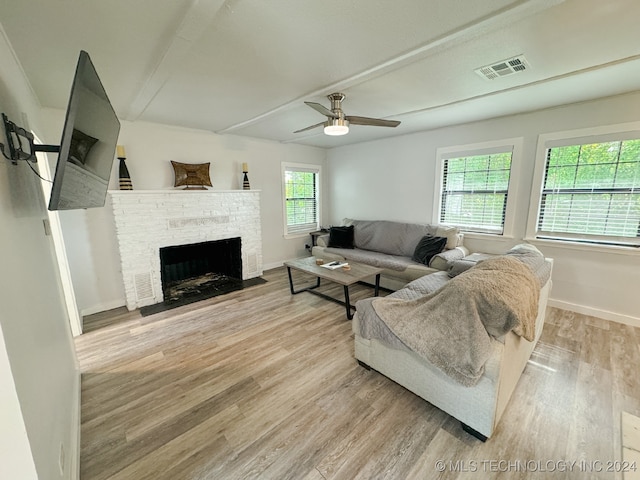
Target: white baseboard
{"x":595,"y":312}
{"x":103,"y":307}
{"x":269,"y":266}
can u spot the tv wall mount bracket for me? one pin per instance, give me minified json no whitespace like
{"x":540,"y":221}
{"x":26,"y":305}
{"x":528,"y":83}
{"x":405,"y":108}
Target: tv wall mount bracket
{"x":16,"y":138}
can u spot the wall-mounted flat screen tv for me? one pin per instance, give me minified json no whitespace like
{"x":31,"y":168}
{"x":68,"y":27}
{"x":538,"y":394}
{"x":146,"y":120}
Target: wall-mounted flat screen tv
{"x":87,"y":147}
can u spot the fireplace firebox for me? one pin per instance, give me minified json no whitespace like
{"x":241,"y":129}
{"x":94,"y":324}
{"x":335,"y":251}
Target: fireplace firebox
{"x":201,"y":269}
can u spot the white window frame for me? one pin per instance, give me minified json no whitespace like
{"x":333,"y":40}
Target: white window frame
{"x":301,"y":167}
{"x":622,"y":131}
{"x":514,"y":145}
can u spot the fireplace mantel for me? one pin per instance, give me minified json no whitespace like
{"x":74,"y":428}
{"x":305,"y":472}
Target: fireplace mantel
{"x":177,"y":190}
{"x":147,"y":220}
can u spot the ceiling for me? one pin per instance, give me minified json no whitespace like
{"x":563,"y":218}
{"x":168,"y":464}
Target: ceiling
{"x":245,"y":67}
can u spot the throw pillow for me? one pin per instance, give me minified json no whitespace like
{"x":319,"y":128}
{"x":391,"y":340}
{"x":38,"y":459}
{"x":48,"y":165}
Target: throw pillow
{"x":341,"y":237}
{"x":427,"y":247}
{"x":451,"y":233}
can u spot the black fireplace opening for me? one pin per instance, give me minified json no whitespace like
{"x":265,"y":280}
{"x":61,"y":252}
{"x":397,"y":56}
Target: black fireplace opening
{"x":193,"y":272}
{"x":201,"y":268}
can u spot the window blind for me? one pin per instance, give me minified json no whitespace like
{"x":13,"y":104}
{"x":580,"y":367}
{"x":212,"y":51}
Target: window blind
{"x":301,"y":200}
{"x":474,"y":191}
{"x":591,"y":193}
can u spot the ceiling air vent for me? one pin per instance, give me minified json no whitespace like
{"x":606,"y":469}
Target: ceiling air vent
{"x":504,"y":68}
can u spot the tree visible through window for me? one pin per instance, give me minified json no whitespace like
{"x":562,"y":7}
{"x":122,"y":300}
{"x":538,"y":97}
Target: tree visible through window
{"x":592,"y":192}
{"x":301,"y":199}
{"x":474,"y":192}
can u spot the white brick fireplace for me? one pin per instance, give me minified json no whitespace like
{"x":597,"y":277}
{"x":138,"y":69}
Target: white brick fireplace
{"x":147,"y":220}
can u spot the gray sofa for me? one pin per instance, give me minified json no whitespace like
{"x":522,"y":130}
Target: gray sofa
{"x":478,"y":403}
{"x":390,"y":246}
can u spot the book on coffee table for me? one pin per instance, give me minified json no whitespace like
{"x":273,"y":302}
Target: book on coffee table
{"x":334,"y":265}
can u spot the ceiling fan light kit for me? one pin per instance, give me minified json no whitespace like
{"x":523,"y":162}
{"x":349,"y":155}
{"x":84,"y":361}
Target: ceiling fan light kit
{"x":337,"y":122}
{"x":336,"y":126}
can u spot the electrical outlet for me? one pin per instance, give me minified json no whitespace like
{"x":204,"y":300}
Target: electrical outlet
{"x":61,"y":459}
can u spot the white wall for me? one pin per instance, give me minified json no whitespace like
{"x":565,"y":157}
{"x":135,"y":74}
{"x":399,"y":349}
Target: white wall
{"x":394,"y":179}
{"x":38,"y":375}
{"x":90,"y":234}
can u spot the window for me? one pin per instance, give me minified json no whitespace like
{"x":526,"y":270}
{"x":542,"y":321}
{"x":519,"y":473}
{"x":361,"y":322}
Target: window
{"x":474,"y":187}
{"x":301,"y":198}
{"x":591,"y":191}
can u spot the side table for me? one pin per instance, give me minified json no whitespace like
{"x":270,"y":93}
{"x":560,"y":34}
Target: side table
{"x":315,"y":235}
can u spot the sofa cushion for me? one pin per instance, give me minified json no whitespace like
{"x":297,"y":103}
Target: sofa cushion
{"x":464,"y":264}
{"x":443,"y":260}
{"x":527,"y":254}
{"x":394,"y":238}
{"x":422,"y":286}
{"x":375,"y":259}
{"x":427,"y":247}
{"x":341,"y":237}
{"x":460,"y":266}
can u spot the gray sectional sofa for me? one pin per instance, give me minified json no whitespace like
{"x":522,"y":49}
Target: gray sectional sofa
{"x":478,"y":399}
{"x":390,"y":246}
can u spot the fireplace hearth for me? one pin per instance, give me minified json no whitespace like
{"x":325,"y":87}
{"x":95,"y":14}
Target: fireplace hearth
{"x":201,"y":293}
{"x":194,"y":272}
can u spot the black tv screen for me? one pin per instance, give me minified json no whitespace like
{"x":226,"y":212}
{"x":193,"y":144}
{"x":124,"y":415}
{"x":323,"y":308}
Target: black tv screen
{"x":87,"y":147}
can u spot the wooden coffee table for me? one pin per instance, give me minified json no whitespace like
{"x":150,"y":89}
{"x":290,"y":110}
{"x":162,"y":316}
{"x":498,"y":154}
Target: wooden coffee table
{"x":357,"y":273}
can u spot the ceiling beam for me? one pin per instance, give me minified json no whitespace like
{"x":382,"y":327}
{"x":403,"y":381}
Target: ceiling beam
{"x":196,"y":20}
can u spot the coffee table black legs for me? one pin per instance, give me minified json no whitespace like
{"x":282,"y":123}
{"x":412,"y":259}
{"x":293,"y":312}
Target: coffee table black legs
{"x":347,"y":301}
{"x":306,"y":289}
{"x":312,"y":288}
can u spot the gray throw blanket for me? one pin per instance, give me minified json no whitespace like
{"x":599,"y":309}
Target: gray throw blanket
{"x":451,"y":327}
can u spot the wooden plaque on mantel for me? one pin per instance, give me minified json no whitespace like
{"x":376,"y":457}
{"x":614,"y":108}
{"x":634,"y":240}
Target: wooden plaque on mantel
{"x":193,"y":176}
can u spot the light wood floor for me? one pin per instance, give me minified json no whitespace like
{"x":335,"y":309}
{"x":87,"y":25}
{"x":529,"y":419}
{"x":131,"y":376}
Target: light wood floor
{"x":262,"y":384}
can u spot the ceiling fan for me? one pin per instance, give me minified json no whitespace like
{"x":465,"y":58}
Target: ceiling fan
{"x":337,"y":122}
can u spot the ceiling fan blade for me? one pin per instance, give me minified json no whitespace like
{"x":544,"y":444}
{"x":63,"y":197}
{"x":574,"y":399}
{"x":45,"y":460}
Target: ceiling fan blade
{"x":309,"y":128}
{"x":322,"y":109}
{"x":377,"y":122}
